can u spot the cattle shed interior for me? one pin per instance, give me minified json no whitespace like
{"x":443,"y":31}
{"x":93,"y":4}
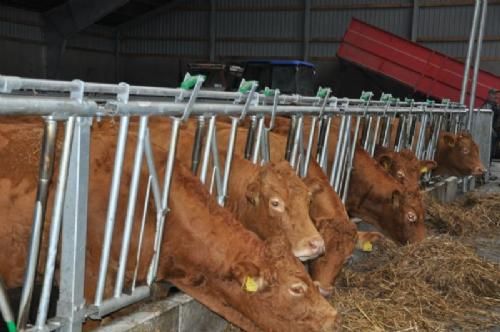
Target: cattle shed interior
{"x":147,"y":146}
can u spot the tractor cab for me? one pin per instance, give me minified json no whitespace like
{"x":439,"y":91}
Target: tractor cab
{"x":289,"y":76}
{"x":219,"y":77}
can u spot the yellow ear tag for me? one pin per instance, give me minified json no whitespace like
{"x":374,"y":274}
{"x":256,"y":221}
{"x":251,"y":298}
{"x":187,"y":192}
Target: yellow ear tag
{"x":249,"y":285}
{"x":424,"y":169}
{"x":367,"y":246}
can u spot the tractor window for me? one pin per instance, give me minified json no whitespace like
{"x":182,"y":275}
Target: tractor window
{"x":258,"y":72}
{"x":306,"y":81}
{"x":284,"y":79}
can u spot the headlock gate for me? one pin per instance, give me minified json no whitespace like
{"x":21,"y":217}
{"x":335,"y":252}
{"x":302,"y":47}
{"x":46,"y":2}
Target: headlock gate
{"x":77,"y":104}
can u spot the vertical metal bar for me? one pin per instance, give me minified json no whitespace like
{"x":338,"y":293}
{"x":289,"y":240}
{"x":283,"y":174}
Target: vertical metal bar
{"x":216,"y":176}
{"x":421,"y":136}
{"x":112,"y":206}
{"x":206,"y":152}
{"x":296,"y":142}
{"x":401,"y":133}
{"x":376,"y":137}
{"x":336,"y":160}
{"x":45,"y":174}
{"x":5,"y":309}
{"x":198,"y":139}
{"x":367,"y":133}
{"x":387,"y":131}
{"x":345,"y":143}
{"x":141,"y":233}
{"x":291,"y":137}
{"x":250,"y":138}
{"x":229,"y":154}
{"x":71,"y":302}
{"x":258,"y":140}
{"x":472,"y":37}
{"x":324,"y":151}
{"x":477,"y":63}
{"x":167,"y":181}
{"x":310,"y":143}
{"x":132,"y":201}
{"x":55,"y":227}
{"x":148,"y":152}
{"x":351,"y":161}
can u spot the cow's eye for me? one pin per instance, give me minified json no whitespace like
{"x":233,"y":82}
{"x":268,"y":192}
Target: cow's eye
{"x":275,"y":203}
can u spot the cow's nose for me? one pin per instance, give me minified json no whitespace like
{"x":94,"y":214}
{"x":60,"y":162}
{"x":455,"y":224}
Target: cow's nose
{"x":332,"y":324}
{"x":317,"y":245}
{"x":479,"y":170}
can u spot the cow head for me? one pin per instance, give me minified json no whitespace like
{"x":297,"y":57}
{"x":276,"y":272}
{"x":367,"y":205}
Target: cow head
{"x":404,"y":166}
{"x":458,"y":154}
{"x":379,"y":199}
{"x":279,"y":203}
{"x":331,"y":220}
{"x":290,"y":295}
{"x":404,"y":217}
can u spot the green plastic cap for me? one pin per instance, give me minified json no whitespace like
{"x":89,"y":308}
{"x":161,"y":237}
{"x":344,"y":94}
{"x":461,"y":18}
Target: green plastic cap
{"x":323,"y":92}
{"x":246,"y":86}
{"x":268,"y":92}
{"x":190,"y":81}
{"x":11,"y":326}
{"x":366,"y":95}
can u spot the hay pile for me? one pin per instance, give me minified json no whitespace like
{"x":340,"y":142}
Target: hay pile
{"x":437,"y":285}
{"x":469,"y":215}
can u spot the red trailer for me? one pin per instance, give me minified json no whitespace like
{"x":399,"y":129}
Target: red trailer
{"x":426,"y":71}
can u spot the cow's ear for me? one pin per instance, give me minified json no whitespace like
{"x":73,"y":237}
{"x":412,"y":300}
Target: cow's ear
{"x":449,"y":139}
{"x":313,"y":185}
{"x":427,"y":166}
{"x":385,"y":161}
{"x":396,"y":199}
{"x":252,"y":193}
{"x":248,"y":276}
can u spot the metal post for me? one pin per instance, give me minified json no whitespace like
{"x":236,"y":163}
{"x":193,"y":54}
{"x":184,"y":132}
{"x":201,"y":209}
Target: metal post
{"x":250,"y":138}
{"x":472,"y":37}
{"x":258,"y":140}
{"x":351,"y":161}
{"x":291,"y":137}
{"x":167,"y":181}
{"x":323,"y":160}
{"x":198,"y":139}
{"x":336,"y":160}
{"x":55,"y":225}
{"x":477,"y":63}
{"x":296,"y":143}
{"x":229,"y":154}
{"x":45,"y":175}
{"x":112,"y":207}
{"x":71,"y":303}
{"x":343,"y":148}
{"x":131,"y":204}
{"x":310,"y":143}
{"x":206,"y":152}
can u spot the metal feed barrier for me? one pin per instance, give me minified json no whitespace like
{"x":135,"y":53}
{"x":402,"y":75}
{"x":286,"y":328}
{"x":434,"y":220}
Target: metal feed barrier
{"x":77,"y":103}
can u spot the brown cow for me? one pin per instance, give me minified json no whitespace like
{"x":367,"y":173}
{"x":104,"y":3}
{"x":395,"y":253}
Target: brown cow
{"x":269,"y":201}
{"x":205,"y":251}
{"x":326,"y":210}
{"x":375,"y":196}
{"x":404,"y":166}
{"x":458,"y":154}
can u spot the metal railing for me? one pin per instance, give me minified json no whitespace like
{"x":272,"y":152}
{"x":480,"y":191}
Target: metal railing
{"x":76,"y":103}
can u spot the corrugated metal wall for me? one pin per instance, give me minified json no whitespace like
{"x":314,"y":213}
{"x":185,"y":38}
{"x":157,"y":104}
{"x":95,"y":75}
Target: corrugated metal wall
{"x":275,"y":28}
{"x":154,"y":52}
{"x":89,"y":56}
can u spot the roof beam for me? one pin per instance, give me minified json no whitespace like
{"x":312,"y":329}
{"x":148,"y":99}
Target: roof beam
{"x":152,"y":14}
{"x":75,"y":15}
